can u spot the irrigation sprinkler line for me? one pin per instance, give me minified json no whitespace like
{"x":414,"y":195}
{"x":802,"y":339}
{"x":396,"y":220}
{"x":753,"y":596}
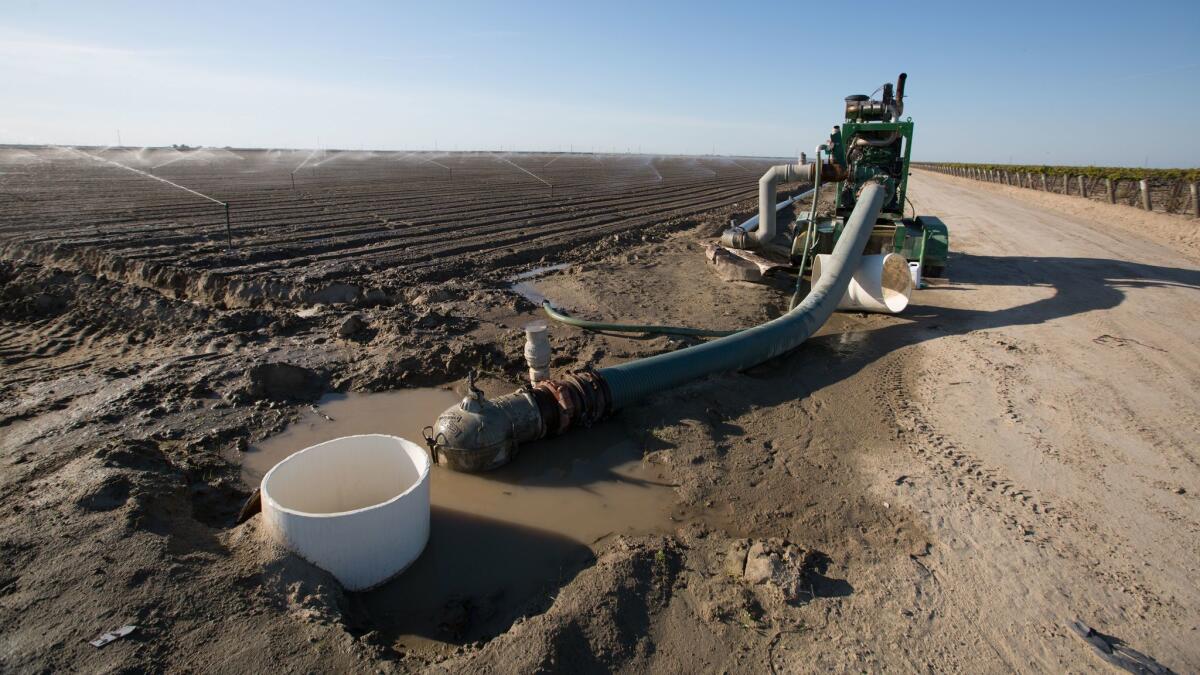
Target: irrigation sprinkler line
{"x":552,"y":161}
{"x":655,"y":170}
{"x":147,"y":175}
{"x":506,"y":161}
{"x":426,"y":159}
{"x":306,"y":160}
{"x":170,"y":161}
{"x":449,"y":170}
{"x":228,"y":224}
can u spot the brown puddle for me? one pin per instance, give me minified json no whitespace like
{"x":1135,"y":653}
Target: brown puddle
{"x":501,"y":542}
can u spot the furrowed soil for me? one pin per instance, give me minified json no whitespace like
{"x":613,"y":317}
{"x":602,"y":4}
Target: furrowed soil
{"x":942,"y":490}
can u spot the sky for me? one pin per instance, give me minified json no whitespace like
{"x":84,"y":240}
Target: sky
{"x":1084,"y":83}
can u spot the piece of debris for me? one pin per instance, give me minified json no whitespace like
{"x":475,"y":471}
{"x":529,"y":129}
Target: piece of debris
{"x":735,"y":265}
{"x":252,"y":506}
{"x":353,"y":324}
{"x":111,"y":636}
{"x":1116,"y":652}
{"x":1117,"y":341}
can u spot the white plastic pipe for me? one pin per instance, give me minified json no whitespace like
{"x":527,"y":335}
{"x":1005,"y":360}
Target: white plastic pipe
{"x":882,"y":283}
{"x":752,"y":222}
{"x":537,"y":351}
{"x":357,"y":507}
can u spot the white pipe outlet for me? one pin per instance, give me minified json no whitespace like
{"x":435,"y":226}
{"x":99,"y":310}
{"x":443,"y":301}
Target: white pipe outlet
{"x":882,"y":283}
{"x":357,"y":507}
{"x":537,"y":351}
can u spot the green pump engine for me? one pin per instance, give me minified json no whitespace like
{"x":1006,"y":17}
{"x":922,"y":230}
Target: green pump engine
{"x":873,"y":144}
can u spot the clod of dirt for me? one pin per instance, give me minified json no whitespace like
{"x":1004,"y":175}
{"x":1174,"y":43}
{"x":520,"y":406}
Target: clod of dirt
{"x":376,"y":297}
{"x":282,"y":382}
{"x":142,"y":455}
{"x":353,"y":324}
{"x":336,"y":294}
{"x":111,"y":493}
{"x":735,"y":558}
{"x":778,"y":563}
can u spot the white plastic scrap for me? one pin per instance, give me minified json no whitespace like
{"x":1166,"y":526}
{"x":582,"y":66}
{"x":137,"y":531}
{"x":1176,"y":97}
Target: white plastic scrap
{"x":114,"y":635}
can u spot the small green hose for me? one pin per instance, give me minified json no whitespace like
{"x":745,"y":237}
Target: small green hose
{"x":630,"y":328}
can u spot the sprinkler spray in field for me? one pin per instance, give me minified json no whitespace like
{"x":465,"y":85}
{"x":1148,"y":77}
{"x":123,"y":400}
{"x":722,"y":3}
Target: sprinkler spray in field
{"x":426,"y":159}
{"x":228,"y":227}
{"x":535,"y":176}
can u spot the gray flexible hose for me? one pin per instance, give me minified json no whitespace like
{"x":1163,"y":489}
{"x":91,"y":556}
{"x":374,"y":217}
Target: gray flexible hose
{"x":631,"y":382}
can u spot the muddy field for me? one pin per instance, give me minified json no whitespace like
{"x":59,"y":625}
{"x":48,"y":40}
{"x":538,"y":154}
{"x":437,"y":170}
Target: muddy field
{"x":943,"y":490}
{"x":336,"y":226}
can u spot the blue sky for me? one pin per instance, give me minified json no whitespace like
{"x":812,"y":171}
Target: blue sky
{"x":1049,"y":82}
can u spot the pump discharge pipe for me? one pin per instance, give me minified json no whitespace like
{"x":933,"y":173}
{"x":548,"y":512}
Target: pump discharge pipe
{"x":480,"y":434}
{"x":757,"y":233}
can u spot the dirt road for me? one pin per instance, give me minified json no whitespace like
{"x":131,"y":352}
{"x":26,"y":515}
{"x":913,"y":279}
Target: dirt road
{"x":1048,"y":404}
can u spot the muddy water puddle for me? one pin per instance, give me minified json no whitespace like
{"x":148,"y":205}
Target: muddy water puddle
{"x":502,"y":542}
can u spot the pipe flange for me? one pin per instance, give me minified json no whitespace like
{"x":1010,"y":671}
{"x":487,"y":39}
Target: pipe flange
{"x":567,"y":404}
{"x":593,"y":391}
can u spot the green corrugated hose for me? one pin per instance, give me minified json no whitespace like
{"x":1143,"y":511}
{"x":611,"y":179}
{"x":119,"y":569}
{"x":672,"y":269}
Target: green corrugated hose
{"x":631,"y":328}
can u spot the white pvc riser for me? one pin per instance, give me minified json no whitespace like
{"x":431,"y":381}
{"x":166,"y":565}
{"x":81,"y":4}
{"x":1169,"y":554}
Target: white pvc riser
{"x":882,"y":283}
{"x":357,"y":507}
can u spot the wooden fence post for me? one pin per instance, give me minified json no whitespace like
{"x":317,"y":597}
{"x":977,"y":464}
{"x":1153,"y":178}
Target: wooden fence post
{"x":1144,"y":188}
{"x":1044,"y":188}
{"x":1082,"y":187}
{"x":1066,"y":184}
{"x":1194,"y":188}
{"x":1109,"y":191}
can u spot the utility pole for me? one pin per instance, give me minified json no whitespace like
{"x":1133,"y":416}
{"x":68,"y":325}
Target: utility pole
{"x":118,"y":138}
